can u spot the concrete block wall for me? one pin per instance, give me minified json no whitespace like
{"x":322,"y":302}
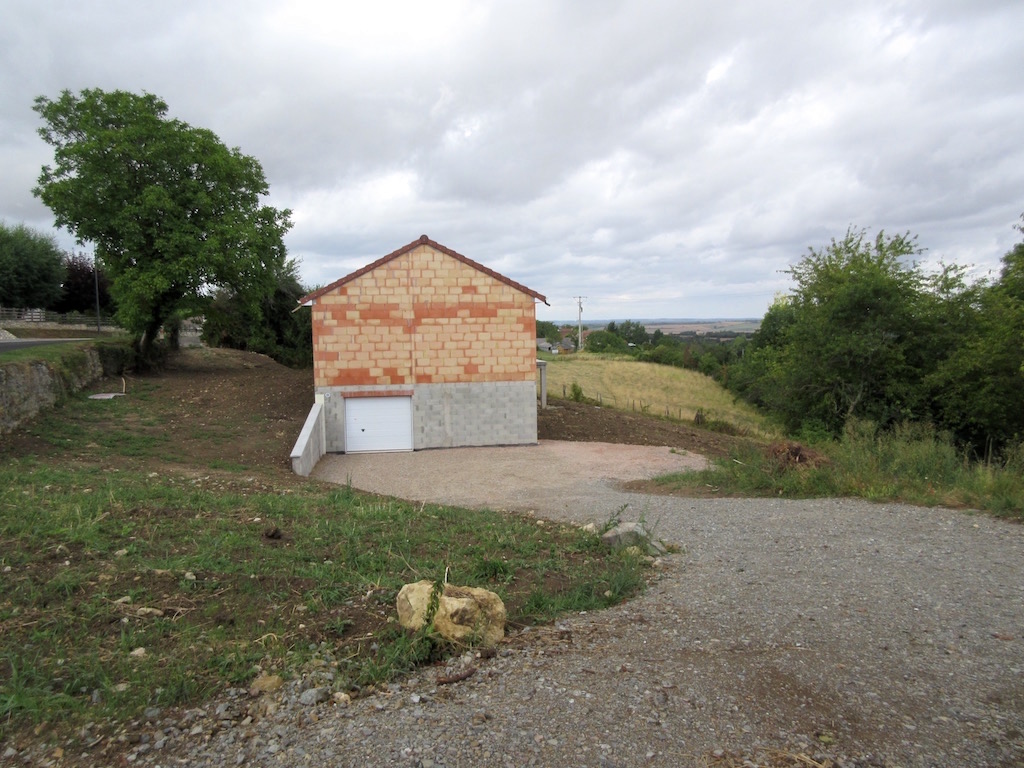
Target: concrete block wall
{"x":310,"y":445}
{"x":334,"y":419}
{"x":491,"y":413}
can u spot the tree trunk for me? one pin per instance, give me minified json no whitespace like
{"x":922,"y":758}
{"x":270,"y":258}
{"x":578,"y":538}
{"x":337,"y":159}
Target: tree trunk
{"x":172,"y":333}
{"x":146,"y":344}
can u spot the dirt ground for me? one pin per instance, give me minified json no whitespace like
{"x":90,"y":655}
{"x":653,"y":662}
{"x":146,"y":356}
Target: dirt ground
{"x":587,"y":423}
{"x":233,"y":395}
{"x":225,"y":389}
{"x":203,"y":391}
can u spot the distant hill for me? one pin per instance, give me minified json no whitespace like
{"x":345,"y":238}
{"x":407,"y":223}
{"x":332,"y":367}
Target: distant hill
{"x":679,"y":325}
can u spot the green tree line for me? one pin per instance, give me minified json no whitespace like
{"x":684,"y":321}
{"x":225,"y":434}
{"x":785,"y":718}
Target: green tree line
{"x":868,"y":334}
{"x":712,"y":356}
{"x":36,"y":274}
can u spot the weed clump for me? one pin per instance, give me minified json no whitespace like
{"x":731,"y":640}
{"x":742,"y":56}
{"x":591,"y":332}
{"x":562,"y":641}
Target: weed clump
{"x":787,"y":455}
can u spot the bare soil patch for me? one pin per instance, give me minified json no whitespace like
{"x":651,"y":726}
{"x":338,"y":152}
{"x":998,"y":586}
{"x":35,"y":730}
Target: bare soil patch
{"x":585,"y":422}
{"x":233,"y":395}
{"x":217,"y":405}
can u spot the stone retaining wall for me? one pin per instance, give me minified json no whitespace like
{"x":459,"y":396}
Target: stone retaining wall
{"x":29,"y":386}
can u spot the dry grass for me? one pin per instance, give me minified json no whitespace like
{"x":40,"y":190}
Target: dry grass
{"x":624,"y":383}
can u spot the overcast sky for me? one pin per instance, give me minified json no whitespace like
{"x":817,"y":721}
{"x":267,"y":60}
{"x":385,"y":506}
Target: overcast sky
{"x":662,"y":159}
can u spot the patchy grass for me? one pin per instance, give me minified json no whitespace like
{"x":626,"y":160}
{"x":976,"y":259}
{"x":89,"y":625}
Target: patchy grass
{"x":912,"y":464}
{"x":50,"y":353}
{"x":122,"y":527}
{"x":211,"y":584}
{"x":657,"y":390}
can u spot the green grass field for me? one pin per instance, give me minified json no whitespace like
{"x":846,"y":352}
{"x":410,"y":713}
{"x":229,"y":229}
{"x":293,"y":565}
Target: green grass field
{"x":52,"y":353}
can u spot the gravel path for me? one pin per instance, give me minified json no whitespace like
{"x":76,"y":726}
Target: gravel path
{"x":864,"y":634}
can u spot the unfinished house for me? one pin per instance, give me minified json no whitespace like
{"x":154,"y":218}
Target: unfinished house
{"x":424,"y":348}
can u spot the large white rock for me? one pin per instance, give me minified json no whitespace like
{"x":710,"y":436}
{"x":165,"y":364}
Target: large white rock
{"x":464,"y":614}
{"x":626,"y":535}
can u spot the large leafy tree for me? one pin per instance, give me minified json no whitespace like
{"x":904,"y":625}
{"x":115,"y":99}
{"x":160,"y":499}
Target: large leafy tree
{"x":854,"y":323}
{"x":606,"y":341}
{"x":855,"y":337}
{"x":759,"y":377}
{"x":867,"y":333}
{"x":31,"y":268}
{"x":977,"y":389}
{"x":548,"y":331}
{"x":265,"y":323}
{"x":172,"y":212}
{"x":632,"y":332}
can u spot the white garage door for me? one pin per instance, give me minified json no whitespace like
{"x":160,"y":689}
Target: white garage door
{"x":378,"y":424}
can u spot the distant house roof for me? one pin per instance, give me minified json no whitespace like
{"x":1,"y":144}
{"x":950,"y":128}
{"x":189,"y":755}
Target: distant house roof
{"x":423,"y":240}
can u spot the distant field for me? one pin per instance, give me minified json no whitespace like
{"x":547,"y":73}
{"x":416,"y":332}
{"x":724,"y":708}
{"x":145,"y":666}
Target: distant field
{"x":657,"y":389}
{"x":705,"y":327}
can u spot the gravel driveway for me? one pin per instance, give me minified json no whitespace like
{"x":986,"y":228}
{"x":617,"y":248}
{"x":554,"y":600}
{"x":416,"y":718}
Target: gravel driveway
{"x":864,"y":634}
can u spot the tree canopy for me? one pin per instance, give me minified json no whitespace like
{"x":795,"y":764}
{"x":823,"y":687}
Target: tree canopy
{"x":172,"y":212}
{"x":549,"y":331}
{"x":868,"y":334}
{"x":234,"y":320}
{"x":31,"y":268}
{"x":976,"y":390}
{"x":631,"y":332}
{"x":850,"y":349}
{"x":606,"y":341}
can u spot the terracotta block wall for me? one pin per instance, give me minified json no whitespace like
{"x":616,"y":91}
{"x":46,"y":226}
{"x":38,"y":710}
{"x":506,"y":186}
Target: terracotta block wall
{"x":423,"y":318}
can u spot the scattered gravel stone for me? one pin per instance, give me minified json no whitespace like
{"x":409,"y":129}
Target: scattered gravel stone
{"x":266,"y":684}
{"x":314,"y":696}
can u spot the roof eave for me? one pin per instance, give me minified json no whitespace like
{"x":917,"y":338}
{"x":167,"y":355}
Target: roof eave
{"x":310,"y":298}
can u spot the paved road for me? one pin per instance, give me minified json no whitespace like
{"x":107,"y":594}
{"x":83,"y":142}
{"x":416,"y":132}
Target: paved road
{"x":9,"y":345}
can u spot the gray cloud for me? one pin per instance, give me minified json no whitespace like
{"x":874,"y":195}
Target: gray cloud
{"x":661,"y":159}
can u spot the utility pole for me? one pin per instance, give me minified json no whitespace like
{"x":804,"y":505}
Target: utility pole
{"x":96,"y":286}
{"x":579,"y":322}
